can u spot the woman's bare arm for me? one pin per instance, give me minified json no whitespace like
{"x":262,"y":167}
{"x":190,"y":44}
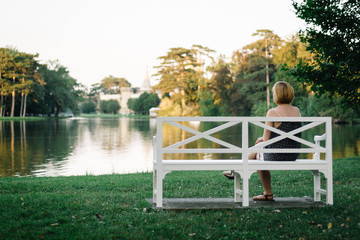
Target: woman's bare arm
{"x":266,"y":135}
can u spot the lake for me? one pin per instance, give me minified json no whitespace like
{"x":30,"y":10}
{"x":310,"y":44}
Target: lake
{"x":80,"y":146}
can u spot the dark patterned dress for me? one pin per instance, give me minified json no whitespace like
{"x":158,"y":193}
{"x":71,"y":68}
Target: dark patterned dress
{"x":285,"y":143}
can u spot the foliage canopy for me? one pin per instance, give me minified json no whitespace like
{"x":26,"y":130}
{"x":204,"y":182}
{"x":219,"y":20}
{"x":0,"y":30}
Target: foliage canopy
{"x":142,"y":104}
{"x":333,"y":37}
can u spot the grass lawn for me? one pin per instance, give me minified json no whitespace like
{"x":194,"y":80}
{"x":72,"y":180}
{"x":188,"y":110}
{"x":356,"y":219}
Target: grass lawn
{"x":114,"y":207}
{"x":21,"y":118}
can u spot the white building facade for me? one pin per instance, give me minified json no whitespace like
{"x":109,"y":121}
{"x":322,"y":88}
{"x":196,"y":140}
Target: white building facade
{"x":127,"y":93}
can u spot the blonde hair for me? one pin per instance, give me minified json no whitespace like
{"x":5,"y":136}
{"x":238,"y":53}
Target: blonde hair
{"x":283,"y":93}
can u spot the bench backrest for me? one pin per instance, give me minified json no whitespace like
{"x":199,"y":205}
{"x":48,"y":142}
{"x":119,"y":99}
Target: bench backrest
{"x":182,"y":123}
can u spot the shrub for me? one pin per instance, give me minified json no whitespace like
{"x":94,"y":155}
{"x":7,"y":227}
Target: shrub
{"x":88,"y":107}
{"x":142,"y":104}
{"x":109,"y":106}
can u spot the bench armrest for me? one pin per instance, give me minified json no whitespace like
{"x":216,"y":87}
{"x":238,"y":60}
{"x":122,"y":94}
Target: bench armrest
{"x":317,"y":140}
{"x":320,"y":138}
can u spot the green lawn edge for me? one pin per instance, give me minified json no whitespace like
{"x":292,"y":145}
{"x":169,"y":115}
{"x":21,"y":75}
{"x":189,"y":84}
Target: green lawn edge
{"x":22,"y":118}
{"x":103,"y":115}
{"x":114,"y":207}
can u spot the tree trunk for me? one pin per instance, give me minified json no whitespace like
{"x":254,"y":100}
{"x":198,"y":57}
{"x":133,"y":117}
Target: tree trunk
{"x":12,"y":104}
{"x":2,"y":102}
{"x":2,"y":107}
{"x":2,"y":97}
{"x":57,"y":111}
{"x":183,"y":102}
{"x":24,"y":113}
{"x":22,"y":104}
{"x":22,"y":100}
{"x":13,"y":100}
{"x":267,"y":87}
{"x":267,"y":75}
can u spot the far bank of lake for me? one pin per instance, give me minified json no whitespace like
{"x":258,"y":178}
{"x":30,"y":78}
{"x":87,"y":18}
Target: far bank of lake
{"x":80,"y":146}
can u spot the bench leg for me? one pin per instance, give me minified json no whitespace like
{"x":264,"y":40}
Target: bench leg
{"x":317,"y":187}
{"x":154,"y":185}
{"x":159,"y":188}
{"x":245,"y":193}
{"x":329,"y":189}
{"x":158,"y":178}
{"x":237,"y":187}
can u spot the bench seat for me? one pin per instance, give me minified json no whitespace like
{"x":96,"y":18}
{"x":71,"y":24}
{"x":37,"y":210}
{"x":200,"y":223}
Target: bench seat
{"x":299,"y":164}
{"x":202,"y":164}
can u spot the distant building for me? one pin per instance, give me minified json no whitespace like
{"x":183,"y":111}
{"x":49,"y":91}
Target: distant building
{"x":126,"y":93}
{"x":146,"y":85}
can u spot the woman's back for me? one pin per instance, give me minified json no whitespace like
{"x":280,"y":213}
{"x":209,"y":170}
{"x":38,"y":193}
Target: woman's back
{"x":284,"y":143}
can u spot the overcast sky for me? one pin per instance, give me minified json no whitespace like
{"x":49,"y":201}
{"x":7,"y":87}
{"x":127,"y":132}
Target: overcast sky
{"x":124,"y":38}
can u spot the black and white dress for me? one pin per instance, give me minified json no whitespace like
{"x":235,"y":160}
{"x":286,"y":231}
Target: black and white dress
{"x":284,"y":143}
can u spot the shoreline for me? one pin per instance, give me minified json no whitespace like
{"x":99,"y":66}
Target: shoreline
{"x":115,"y":116}
{"x":79,"y":116}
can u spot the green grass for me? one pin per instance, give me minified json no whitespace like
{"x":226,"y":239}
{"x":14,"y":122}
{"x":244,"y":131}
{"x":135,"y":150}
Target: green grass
{"x":21,"y":118}
{"x":114,"y":207}
{"x":107,"y":115}
{"x":82,"y":115}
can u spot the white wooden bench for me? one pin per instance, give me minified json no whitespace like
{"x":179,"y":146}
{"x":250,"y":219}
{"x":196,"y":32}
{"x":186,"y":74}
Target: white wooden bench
{"x":319,"y":162}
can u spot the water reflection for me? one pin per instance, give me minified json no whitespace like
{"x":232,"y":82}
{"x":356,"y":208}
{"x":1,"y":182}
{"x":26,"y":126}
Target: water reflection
{"x":75,"y":147}
{"x":103,"y":146}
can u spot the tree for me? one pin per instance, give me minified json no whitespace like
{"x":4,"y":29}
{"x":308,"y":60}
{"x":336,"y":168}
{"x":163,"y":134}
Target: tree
{"x":332,"y":36}
{"x":143,"y":104}
{"x":131,"y":104}
{"x":207,"y":105}
{"x":112,"y":84}
{"x":6,"y":62}
{"x":113,"y":106}
{"x":181,"y":74}
{"x":61,"y":90}
{"x":109,"y":106}
{"x":28,"y":77}
{"x":88,"y":107}
{"x":249,"y":87}
{"x":264,"y":47}
{"x":17,"y":74}
{"x":221,"y":84}
{"x":13,"y":73}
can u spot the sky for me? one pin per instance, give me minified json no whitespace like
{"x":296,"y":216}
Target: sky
{"x":124,"y":38}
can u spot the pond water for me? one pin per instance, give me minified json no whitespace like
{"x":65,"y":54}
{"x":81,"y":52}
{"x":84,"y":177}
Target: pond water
{"x":80,"y":146}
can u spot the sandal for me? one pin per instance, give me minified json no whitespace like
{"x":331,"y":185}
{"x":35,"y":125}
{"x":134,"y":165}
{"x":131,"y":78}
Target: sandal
{"x":268,"y":197}
{"x":229,"y":175}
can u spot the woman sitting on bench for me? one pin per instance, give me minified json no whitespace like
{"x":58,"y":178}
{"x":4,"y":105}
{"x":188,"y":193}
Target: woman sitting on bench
{"x":283,"y":94}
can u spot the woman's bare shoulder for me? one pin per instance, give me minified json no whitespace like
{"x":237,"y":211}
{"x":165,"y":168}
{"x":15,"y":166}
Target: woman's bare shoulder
{"x":297,"y":110}
{"x":271,"y":113}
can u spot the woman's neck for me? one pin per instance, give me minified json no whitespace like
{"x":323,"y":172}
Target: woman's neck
{"x":283,"y":105}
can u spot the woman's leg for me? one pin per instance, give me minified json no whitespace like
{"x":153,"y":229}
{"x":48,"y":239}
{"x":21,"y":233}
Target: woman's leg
{"x":265,"y":178}
{"x":253,"y":156}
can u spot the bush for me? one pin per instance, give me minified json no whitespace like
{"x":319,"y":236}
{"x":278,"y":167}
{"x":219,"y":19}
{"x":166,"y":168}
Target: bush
{"x":207,"y":106}
{"x":142,"y":104}
{"x":109,"y":106}
{"x":88,"y":107}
